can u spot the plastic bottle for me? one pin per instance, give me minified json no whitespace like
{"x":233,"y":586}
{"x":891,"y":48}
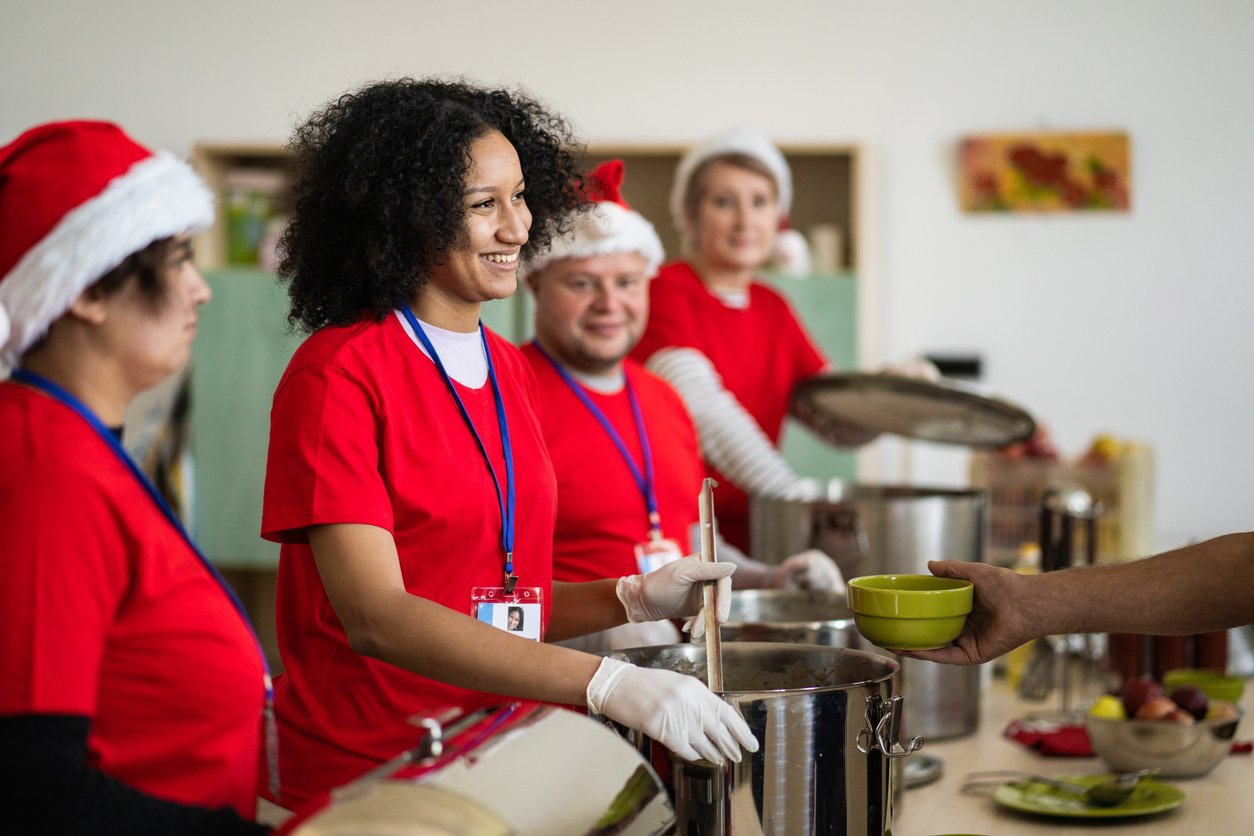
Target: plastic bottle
{"x":1028,"y":562}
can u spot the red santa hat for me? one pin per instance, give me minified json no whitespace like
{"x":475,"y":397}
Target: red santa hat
{"x":790,"y":252}
{"x":77,"y":198}
{"x":606,"y":225}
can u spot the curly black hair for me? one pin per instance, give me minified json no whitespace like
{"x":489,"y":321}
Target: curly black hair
{"x":378,"y":190}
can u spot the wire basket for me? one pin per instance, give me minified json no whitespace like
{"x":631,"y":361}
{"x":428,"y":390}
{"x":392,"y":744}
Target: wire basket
{"x":1123,"y":486}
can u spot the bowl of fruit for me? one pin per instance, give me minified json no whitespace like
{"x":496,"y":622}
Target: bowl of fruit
{"x":1182,"y":733}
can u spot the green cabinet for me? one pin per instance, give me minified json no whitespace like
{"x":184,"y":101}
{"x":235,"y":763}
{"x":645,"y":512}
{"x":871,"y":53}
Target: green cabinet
{"x":241,"y":350}
{"x":828,"y":305}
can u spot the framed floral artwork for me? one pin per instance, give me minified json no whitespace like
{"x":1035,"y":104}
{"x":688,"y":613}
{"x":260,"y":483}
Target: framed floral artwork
{"x":1044,"y":172}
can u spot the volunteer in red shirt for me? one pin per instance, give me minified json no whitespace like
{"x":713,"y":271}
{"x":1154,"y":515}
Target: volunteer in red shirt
{"x":407,"y":476}
{"x":133,"y":685}
{"x":623,"y":446}
{"x":729,"y":343}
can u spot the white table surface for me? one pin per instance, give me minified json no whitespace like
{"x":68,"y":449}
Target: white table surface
{"x":1217,"y":804}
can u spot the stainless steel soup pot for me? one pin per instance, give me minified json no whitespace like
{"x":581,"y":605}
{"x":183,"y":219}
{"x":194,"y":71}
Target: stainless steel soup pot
{"x":827,"y":724}
{"x":886,"y":529}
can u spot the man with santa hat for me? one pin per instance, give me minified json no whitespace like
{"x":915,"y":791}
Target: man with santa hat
{"x":624,"y":448}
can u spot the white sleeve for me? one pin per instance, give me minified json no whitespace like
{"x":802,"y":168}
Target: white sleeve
{"x":731,"y":439}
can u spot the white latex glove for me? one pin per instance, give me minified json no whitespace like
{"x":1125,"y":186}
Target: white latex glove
{"x":672,"y":708}
{"x":674,"y":590}
{"x":810,"y":569}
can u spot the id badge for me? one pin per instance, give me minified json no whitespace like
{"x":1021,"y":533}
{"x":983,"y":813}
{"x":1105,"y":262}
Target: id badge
{"x":518,"y":612}
{"x":656,"y":553}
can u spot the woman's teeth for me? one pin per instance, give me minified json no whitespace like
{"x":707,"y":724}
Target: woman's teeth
{"x":498,"y":258}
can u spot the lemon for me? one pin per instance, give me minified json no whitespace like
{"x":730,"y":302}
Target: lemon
{"x":1106,"y":447}
{"x":1108,"y":708}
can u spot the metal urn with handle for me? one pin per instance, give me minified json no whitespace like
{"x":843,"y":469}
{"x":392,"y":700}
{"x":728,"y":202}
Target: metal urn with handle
{"x":827,"y":723}
{"x":885,"y":529}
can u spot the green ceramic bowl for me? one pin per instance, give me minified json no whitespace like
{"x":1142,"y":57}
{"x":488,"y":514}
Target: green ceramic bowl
{"x":1214,"y":684}
{"x":909,"y":612}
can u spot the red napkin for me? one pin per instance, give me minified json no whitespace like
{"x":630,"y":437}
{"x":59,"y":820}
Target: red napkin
{"x":1051,"y":739}
{"x":1071,"y":741}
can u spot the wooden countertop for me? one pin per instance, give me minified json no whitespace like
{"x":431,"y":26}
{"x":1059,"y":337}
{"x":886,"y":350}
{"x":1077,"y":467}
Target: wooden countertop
{"x":1217,"y":804}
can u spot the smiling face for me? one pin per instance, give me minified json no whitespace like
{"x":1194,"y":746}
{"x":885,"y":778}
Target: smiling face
{"x":734,"y":218}
{"x":591,"y":311}
{"x":484,"y":264}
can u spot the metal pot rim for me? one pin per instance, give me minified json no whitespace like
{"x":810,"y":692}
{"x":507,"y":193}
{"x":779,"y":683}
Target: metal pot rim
{"x":838,"y":492}
{"x":892,"y":665}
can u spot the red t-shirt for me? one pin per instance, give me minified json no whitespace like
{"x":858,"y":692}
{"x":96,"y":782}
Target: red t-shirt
{"x":601,"y":513}
{"x":363,"y":430}
{"x":761,"y":352}
{"x":106,"y":613}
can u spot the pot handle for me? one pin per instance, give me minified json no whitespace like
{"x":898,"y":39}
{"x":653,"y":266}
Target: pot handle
{"x":438,"y":727}
{"x":885,"y":718}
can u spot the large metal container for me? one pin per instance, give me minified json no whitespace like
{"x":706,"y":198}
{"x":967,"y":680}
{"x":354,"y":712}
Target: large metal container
{"x":827,"y":724}
{"x":796,"y":616}
{"x":807,"y":616}
{"x":507,"y":770}
{"x":882,"y":529}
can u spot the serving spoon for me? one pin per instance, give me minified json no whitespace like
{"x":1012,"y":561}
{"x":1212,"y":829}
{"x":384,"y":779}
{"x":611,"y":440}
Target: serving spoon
{"x":713,"y":639}
{"x":1105,"y":793}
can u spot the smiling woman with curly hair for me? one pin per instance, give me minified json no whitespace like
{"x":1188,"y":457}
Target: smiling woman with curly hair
{"x":407,"y":478}
{"x":378,"y":192}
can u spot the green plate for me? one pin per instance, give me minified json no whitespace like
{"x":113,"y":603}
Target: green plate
{"x":1148,"y":798}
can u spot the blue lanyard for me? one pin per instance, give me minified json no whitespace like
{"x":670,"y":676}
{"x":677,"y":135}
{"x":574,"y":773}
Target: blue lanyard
{"x":506,"y":503}
{"x":48,"y":387}
{"x":643,"y":482}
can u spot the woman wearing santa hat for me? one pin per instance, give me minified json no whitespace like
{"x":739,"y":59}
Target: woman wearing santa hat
{"x":729,"y":343}
{"x":133,"y":683}
{"x":407,"y":476}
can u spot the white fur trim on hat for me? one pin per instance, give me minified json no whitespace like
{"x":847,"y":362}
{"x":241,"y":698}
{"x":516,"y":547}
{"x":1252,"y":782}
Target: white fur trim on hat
{"x":604,"y":228}
{"x":791,"y":253}
{"x":156,"y":198}
{"x":735,"y":141}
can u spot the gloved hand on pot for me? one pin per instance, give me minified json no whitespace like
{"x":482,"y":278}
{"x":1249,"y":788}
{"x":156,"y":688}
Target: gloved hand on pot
{"x":675,"y":591}
{"x":676,"y":710}
{"x":810,"y":569}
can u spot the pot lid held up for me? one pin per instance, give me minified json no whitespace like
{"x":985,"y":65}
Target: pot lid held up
{"x":945,"y":412}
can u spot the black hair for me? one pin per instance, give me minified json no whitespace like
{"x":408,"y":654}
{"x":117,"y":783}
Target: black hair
{"x":146,"y":267}
{"x":378,"y":190}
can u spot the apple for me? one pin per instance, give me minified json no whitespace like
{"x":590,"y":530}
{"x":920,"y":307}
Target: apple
{"x":1222,"y":710}
{"x":1192,"y":699}
{"x":1137,"y":691}
{"x":1157,"y":708}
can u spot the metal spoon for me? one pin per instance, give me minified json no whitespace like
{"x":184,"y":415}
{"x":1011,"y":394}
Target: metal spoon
{"x":1105,"y":793}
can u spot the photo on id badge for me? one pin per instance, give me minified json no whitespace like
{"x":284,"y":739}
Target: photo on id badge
{"x":518,"y":613}
{"x":655,"y":553}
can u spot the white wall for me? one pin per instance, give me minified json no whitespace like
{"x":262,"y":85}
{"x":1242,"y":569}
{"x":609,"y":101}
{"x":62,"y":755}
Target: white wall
{"x":1135,"y":323}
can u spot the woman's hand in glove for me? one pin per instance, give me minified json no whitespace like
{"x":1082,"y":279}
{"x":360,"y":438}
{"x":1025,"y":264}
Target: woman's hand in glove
{"x":672,"y":708}
{"x":811,"y":569}
{"x":674,"y":590}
